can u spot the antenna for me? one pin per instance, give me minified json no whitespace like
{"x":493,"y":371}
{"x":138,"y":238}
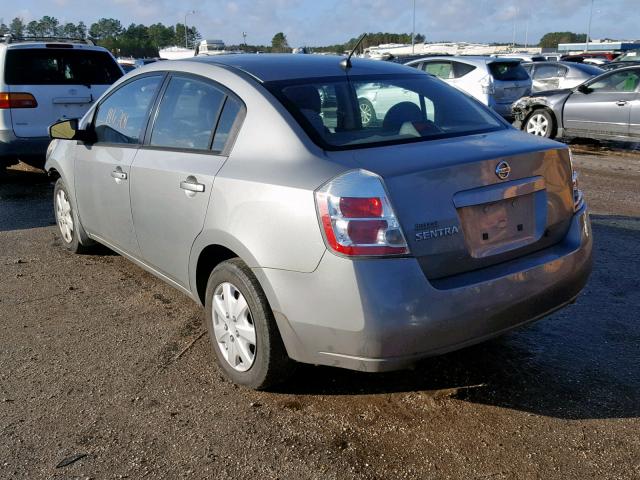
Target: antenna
{"x":346,"y":63}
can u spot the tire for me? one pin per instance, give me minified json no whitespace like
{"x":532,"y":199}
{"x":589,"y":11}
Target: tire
{"x":541,"y":123}
{"x":257,"y":361}
{"x":67,"y":219}
{"x":367,"y":112}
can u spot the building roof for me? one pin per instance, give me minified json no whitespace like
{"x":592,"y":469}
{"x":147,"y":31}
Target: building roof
{"x":274,"y":67}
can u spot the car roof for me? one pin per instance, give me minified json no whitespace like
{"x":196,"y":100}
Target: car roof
{"x":477,"y":60}
{"x":275,"y":67}
{"x":50,"y":45}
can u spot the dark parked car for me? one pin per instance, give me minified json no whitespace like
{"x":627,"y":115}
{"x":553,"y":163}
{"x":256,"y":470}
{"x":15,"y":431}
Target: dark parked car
{"x":607,"y":107}
{"x":629,"y":59}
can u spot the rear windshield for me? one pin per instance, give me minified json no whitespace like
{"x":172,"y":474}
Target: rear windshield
{"x":56,"y":66}
{"x":351,"y":112}
{"x":508,"y":71}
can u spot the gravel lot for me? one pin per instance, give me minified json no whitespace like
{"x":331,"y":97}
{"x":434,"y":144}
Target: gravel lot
{"x":96,"y":362}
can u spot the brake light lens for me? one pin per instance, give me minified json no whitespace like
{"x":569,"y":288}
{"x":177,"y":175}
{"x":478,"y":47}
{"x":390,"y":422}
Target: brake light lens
{"x":357,"y":218}
{"x":578,"y":196}
{"x":17,"y":100}
{"x":487,"y":85}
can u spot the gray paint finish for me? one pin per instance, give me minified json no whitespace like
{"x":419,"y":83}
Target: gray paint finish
{"x":258,"y":201}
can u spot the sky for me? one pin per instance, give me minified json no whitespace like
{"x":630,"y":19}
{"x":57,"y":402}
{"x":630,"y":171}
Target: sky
{"x":324,"y":22}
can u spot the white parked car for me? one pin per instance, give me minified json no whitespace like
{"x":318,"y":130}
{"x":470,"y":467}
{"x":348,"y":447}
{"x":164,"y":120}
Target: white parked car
{"x":42,"y":82}
{"x":496,"y":82}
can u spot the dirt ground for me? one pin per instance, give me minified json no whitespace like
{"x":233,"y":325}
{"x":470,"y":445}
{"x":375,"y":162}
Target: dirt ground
{"x":95,"y":366}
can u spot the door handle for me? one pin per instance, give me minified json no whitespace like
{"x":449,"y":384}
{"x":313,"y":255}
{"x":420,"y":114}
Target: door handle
{"x":192,"y":185}
{"x":119,"y":175}
{"x":621,"y":103}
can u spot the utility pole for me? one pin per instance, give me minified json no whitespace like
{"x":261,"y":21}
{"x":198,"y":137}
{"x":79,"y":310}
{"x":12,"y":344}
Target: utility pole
{"x":186,"y":30}
{"x":413,"y":30}
{"x":586,"y":46}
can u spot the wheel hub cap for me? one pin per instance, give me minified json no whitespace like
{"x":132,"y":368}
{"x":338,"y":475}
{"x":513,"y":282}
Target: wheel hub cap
{"x":63,"y":216}
{"x":538,"y":125}
{"x":233,"y":327}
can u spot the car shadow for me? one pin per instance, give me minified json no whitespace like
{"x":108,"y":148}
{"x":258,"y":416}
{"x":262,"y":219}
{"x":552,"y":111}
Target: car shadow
{"x":581,"y":362}
{"x":26,"y":199}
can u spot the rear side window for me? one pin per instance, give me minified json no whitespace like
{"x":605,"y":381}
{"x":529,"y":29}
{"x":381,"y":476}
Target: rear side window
{"x":442,"y":70}
{"x":122,"y":116}
{"x":228,"y":119}
{"x":461,"y":69}
{"x":187,"y":115}
{"x":56,"y":66}
{"x":546,"y":71}
{"x":508,"y":71}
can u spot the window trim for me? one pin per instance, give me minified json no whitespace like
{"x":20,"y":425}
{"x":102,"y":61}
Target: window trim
{"x":163,"y":76}
{"x":233,"y":132}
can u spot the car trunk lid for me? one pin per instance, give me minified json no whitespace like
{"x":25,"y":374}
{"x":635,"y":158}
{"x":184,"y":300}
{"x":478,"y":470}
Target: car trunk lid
{"x":470,"y":202}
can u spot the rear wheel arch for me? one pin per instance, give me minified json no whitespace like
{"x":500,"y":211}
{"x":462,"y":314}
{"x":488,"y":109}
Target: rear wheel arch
{"x":208,"y":259}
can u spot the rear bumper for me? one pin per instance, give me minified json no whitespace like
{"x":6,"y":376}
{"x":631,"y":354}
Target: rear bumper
{"x":13,"y":148}
{"x":378,"y":315}
{"x":503,"y":109}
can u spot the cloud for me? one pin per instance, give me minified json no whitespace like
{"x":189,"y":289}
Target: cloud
{"x":323,"y":22}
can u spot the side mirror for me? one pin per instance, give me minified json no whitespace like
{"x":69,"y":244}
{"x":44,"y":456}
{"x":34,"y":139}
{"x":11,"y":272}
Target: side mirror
{"x":68,"y":130}
{"x":584,"y":89}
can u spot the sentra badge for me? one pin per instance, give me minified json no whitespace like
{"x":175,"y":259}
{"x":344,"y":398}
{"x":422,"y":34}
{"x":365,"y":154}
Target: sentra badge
{"x":427,"y":231}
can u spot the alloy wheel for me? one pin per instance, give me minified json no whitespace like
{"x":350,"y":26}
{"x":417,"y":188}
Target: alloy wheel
{"x":538,"y":125}
{"x":63,"y":216}
{"x":233,"y":327}
{"x":366,"y":113}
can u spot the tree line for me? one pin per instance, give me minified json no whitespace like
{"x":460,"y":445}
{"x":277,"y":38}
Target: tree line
{"x":139,"y":40}
{"x":136,"y":40}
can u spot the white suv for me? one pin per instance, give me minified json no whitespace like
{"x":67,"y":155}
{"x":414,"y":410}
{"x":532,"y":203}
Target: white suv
{"x":42,"y":82}
{"x":496,"y":82}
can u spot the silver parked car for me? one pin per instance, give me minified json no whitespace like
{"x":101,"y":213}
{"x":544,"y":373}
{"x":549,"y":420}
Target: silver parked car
{"x":559,"y":75}
{"x":605,"y":107}
{"x":250,"y":183}
{"x":496,"y":82}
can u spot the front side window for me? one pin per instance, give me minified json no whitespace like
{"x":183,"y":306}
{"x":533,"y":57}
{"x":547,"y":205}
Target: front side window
{"x":626,"y":81}
{"x":58,"y":66}
{"x":187,"y":115}
{"x":349,"y":112}
{"x":122,"y":116}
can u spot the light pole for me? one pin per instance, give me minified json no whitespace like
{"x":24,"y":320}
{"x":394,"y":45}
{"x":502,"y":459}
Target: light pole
{"x":186,"y":30}
{"x":586,"y":46}
{"x":413,"y":30}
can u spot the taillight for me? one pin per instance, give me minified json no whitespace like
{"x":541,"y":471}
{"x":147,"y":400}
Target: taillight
{"x":357,"y":218}
{"x":487,"y":86}
{"x":17,"y":100}
{"x":578,"y":196}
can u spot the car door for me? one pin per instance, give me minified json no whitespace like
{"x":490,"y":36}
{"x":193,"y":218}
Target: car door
{"x":172,"y":174}
{"x":102,"y":169}
{"x":634,"y":122}
{"x":604,"y":108}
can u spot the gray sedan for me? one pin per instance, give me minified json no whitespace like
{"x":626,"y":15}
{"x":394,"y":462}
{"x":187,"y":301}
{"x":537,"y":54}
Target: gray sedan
{"x":252,"y":184}
{"x":559,"y":75}
{"x":605,"y":107}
